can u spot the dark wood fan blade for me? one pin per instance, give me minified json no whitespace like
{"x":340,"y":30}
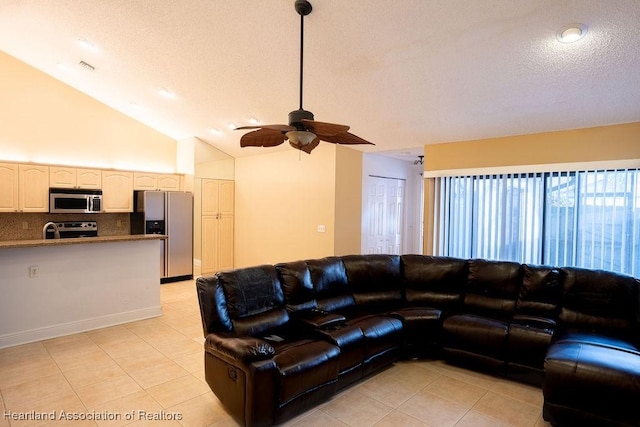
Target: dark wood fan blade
{"x":345,"y":138}
{"x":281,"y":128}
{"x":262,"y":138}
{"x":306,"y":148}
{"x":324,"y":129}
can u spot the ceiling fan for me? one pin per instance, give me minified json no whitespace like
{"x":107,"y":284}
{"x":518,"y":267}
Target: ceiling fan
{"x":303,"y":132}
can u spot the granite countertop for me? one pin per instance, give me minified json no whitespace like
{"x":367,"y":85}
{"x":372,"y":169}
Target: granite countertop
{"x":61,"y":242}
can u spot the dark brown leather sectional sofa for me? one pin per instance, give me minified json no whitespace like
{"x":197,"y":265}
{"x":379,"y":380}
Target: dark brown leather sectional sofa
{"x":283,"y":338}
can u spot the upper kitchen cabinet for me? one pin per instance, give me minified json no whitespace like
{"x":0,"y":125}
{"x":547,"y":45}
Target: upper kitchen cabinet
{"x":64,"y":177}
{"x":117,"y":191}
{"x":24,"y":188}
{"x":8,"y":187}
{"x":33,"y":188}
{"x":155,"y":181}
{"x":217,"y":197}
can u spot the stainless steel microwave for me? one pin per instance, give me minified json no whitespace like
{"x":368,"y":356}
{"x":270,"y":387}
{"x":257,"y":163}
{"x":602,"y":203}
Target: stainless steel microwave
{"x":74,"y":200}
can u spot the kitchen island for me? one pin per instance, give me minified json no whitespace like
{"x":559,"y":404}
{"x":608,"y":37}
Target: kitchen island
{"x":57,"y":287}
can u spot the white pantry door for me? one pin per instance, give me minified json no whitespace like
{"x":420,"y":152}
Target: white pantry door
{"x":385,"y":209}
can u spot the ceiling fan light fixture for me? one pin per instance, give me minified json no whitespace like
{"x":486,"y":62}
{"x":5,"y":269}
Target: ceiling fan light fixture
{"x":301,"y":137}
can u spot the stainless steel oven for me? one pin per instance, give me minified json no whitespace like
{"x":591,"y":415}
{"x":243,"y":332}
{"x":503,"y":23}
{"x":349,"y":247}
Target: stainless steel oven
{"x":69,"y":230}
{"x":74,"y":200}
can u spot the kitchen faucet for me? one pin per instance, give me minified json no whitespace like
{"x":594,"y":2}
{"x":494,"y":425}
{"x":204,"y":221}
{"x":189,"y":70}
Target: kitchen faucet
{"x":56,"y":232}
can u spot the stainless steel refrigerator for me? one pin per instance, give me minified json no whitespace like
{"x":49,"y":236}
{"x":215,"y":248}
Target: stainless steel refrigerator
{"x":169,"y":213}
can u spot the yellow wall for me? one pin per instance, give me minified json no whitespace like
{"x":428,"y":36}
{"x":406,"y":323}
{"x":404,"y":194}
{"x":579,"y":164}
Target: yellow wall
{"x":282,"y":197}
{"x":43,"y":120}
{"x":604,"y":146}
{"x":348,"y":196}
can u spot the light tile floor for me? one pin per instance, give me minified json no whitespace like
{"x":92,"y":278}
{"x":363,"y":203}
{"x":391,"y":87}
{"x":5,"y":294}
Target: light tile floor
{"x":132,"y":373}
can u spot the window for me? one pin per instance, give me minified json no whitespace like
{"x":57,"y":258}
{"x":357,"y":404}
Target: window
{"x":587,"y":219}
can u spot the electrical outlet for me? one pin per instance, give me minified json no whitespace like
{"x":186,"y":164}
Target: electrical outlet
{"x":33,"y":271}
{"x":25,"y":225}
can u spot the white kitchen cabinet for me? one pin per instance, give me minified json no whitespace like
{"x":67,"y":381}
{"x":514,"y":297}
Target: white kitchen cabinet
{"x":217,"y":225}
{"x":117,"y":191}
{"x":66,"y":177}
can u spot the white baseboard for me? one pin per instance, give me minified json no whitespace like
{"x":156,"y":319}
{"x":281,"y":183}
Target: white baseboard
{"x":53,"y":331}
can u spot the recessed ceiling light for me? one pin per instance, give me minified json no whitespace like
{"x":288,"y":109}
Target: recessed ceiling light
{"x":571,"y":33}
{"x":167,"y":93}
{"x":254,"y":121}
{"x":215,"y":131}
{"x":86,"y":43}
{"x":231,"y":126}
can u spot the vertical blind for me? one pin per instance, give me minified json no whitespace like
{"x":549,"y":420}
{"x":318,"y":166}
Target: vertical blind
{"x":587,"y":219}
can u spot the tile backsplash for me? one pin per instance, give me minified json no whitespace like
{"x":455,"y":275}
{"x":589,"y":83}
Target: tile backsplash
{"x":27,"y":226}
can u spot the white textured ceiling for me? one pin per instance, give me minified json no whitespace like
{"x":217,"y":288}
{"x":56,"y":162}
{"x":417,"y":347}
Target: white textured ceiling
{"x":400,"y":73}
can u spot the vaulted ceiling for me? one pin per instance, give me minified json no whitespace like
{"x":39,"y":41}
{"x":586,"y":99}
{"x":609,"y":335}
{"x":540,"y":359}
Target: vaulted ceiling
{"x":401,"y":73}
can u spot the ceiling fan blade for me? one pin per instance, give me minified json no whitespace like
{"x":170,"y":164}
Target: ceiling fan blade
{"x":308,"y":147}
{"x":281,"y":128}
{"x":323,"y":128}
{"x":262,"y":138}
{"x":345,"y":138}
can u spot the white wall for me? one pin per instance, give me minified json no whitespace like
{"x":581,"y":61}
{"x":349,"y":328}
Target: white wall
{"x":384,"y":166}
{"x":79,"y":286}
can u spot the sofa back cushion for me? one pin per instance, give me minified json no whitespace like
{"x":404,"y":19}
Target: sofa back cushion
{"x":330,"y":284}
{"x":492,"y":288}
{"x":599,"y":301}
{"x":434,"y":281}
{"x":251,"y":290}
{"x":375,"y":280}
{"x":540,"y":292}
{"x":255,"y":301}
{"x":296,"y":286}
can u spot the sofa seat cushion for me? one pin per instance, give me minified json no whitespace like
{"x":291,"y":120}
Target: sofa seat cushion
{"x":476,"y":335}
{"x":528,"y":344}
{"x":381,"y":333}
{"x":304,"y":366}
{"x":414,"y":317}
{"x":599,"y":383}
{"x":421,"y":328}
{"x":350,"y":340}
{"x":419,"y":323}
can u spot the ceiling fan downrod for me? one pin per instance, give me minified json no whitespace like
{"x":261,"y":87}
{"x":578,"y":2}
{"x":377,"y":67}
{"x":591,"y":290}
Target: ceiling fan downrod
{"x":303,"y":7}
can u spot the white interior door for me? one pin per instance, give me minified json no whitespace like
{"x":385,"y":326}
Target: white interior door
{"x":386,"y":211}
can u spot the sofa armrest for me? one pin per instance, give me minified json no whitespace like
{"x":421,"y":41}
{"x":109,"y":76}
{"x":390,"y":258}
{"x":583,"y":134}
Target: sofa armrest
{"x":244,"y":349}
{"x":534,"y":321}
{"x":319,"y":319}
